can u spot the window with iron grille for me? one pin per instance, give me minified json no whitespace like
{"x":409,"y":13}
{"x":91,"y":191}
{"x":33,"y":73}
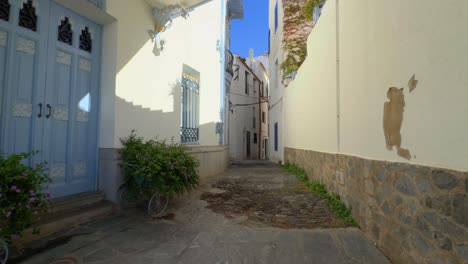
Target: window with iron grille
{"x":189,"y":132}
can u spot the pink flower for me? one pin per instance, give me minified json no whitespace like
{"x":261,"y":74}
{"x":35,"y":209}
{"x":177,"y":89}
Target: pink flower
{"x":27,"y":206}
{"x":31,"y":200}
{"x":18,"y":191}
{"x":32,"y":193}
{"x":8,"y":214}
{"x":25,"y":174}
{"x":14,"y":187}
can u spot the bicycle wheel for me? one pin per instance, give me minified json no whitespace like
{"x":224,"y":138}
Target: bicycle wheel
{"x":3,"y":252}
{"x":157,"y":205}
{"x":124,"y":199}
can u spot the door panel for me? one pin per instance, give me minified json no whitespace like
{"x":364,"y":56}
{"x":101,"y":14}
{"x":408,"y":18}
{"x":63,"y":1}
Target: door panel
{"x":23,"y":40}
{"x":70,"y":135}
{"x":3,"y":59}
{"x":49,"y":77}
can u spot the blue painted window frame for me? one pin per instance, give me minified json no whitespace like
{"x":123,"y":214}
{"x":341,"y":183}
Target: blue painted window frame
{"x":276,"y":16}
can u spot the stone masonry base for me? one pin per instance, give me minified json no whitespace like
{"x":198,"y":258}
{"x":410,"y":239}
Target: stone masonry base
{"x":415,"y":214}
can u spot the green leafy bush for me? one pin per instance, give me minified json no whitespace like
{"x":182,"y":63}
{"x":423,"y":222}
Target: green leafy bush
{"x":334,"y":200}
{"x":22,"y":195}
{"x":156,"y":166}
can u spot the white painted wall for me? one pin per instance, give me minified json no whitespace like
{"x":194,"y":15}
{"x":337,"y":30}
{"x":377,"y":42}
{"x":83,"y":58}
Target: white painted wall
{"x":381,"y":45}
{"x":276,"y":86}
{"x":241,"y":117}
{"x":148,"y":89}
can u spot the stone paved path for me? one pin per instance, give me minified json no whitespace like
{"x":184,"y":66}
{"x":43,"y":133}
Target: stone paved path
{"x":192,"y":233}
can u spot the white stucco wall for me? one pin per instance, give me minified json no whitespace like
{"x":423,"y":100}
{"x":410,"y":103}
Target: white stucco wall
{"x":148,"y":87}
{"x":381,"y":45}
{"x":276,"y":86}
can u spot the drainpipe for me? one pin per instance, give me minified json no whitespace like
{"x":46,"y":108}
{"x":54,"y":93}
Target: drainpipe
{"x":338,"y":88}
{"x":222,"y":50}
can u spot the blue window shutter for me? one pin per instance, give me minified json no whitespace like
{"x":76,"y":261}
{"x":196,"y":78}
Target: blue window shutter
{"x":276,"y":136}
{"x":276,"y":16}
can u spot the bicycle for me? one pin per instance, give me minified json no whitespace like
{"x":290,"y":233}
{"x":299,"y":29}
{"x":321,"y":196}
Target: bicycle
{"x":156,"y":206}
{"x":3,"y":252}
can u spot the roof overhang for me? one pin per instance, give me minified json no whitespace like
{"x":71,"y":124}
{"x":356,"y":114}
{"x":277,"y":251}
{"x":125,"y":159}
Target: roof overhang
{"x":185,"y":4}
{"x":235,"y":9}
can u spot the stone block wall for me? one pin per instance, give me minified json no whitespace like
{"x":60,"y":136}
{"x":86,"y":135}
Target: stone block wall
{"x":415,"y":214}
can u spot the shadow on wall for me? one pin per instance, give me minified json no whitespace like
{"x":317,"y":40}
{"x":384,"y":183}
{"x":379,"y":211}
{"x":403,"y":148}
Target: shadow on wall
{"x":163,"y":125}
{"x":132,"y":36}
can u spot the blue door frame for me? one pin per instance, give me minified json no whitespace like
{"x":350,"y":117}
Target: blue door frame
{"x":50,"y":93}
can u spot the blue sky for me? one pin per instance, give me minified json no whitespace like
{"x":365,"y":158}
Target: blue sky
{"x":252,"y":31}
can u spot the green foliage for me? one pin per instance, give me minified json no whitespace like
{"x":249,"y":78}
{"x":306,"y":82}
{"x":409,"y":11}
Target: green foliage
{"x":334,"y":200}
{"x":150,"y":166}
{"x":308,"y":10}
{"x":22,"y":195}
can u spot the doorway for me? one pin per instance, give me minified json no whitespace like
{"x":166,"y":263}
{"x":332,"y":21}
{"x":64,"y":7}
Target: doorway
{"x":49,"y":76}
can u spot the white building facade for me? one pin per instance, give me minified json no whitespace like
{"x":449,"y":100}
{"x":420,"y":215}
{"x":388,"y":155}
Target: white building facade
{"x":275,"y":150}
{"x":245,"y":109}
{"x":257,"y":64}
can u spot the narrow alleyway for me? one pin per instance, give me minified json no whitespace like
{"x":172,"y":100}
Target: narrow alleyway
{"x":254,"y":213}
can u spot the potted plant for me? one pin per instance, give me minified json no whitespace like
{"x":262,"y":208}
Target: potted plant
{"x":22,"y":195}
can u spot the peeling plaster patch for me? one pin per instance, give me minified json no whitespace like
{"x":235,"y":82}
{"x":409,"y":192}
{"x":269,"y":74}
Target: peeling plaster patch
{"x":393,"y":120}
{"x":412,"y":83}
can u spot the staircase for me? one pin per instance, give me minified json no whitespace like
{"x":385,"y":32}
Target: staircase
{"x":71,"y":211}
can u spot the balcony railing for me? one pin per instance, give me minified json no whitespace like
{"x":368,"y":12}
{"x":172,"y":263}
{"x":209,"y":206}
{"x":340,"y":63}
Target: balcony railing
{"x":229,"y":62}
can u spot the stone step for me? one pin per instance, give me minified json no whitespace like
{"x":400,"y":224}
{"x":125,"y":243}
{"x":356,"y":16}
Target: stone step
{"x":66,"y":219}
{"x":74,"y":201}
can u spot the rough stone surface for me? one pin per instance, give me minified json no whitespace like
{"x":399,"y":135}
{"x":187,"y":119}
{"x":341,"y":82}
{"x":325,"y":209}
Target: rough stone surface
{"x":192,"y":233}
{"x":444,"y":180}
{"x":405,"y":186}
{"x":462,"y":252}
{"x":460,"y":209}
{"x":413,"y":202}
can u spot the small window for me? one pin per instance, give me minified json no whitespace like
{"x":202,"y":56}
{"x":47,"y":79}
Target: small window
{"x":247,"y":82}
{"x":255,"y":138}
{"x":263,"y":117}
{"x":254,"y":86}
{"x":276,"y":16}
{"x":254,"y":119}
{"x":276,"y":137}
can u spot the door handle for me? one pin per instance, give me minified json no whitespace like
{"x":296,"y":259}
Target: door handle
{"x":40,"y":110}
{"x":50,"y":111}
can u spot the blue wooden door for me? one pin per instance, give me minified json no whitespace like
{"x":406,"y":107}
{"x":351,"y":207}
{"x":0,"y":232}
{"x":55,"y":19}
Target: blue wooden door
{"x":71,"y":95}
{"x":51,"y":97}
{"x":23,"y":41}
